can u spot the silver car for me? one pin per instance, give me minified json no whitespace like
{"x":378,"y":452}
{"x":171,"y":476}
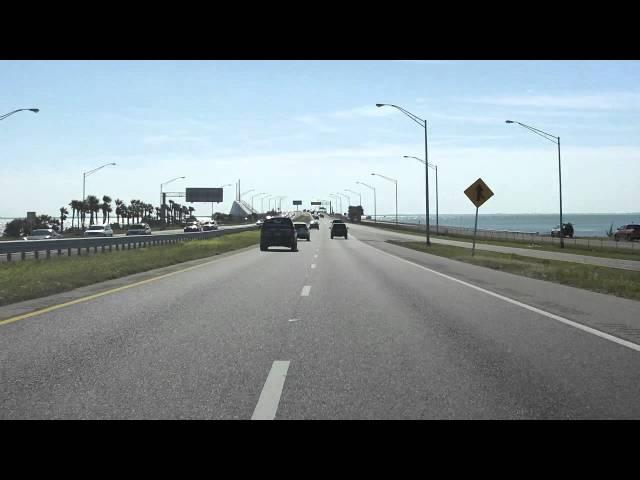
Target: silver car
{"x":139,"y":229}
{"x":43,"y":234}
{"x":99,"y":231}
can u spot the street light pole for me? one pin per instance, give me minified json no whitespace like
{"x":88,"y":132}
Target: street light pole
{"x":248,"y":191}
{"x":161,"y":196}
{"x":396,"y":182}
{"x":348,"y":199}
{"x":556,"y":140}
{"x":357,"y":193}
{"x":339,"y":204}
{"x":84,"y":180}
{"x":375,"y":212}
{"x":338,"y":201}
{"x":435,"y":167}
{"x":253,"y":196}
{"x":262,"y":203}
{"x":34,"y":110}
{"x":423,"y":124}
{"x":280,"y":203}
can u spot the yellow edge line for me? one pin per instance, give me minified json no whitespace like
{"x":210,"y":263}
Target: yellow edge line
{"x":106,"y":292}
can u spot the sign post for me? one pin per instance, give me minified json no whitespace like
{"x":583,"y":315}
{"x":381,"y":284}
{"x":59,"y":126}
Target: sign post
{"x":296,"y":203}
{"x":479,"y":192}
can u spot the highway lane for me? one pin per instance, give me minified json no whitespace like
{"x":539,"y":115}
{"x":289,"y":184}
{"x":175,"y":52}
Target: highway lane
{"x":371,"y":337}
{"x":386,"y":341}
{"x":606,"y":312}
{"x":198,"y":346}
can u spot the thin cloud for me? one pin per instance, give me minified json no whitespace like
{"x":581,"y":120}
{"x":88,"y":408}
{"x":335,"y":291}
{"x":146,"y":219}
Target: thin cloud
{"x":307,"y":119}
{"x":154,"y":123}
{"x":480,"y":119}
{"x":165,"y":139}
{"x":607,"y":101}
{"x":364,"y":111}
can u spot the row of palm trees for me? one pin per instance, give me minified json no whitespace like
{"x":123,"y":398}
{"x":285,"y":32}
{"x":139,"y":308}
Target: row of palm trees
{"x":136,"y":210}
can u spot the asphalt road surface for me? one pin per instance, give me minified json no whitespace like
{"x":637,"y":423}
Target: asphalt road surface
{"x":341,"y":329}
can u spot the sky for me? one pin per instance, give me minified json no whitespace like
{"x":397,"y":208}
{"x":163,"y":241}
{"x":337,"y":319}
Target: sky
{"x":307,"y":129}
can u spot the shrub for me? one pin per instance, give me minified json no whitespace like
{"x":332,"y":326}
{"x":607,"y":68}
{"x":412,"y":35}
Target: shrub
{"x":17,"y":227}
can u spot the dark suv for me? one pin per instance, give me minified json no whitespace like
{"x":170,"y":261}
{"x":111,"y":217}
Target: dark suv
{"x":339,"y":229}
{"x":278,"y":232}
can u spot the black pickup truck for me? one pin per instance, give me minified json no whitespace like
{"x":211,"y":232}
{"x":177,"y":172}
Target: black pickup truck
{"x":338,"y":229}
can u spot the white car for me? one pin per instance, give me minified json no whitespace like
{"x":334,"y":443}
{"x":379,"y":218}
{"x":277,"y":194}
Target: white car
{"x":99,"y":231}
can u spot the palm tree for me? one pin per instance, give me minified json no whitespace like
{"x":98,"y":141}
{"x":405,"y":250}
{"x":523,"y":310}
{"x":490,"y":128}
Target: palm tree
{"x":94,"y":205}
{"x":84,"y":208}
{"x":191,"y":210}
{"x":106,"y":208}
{"x":176,"y":209}
{"x":149,"y":211}
{"x":119,"y":204}
{"x":75,"y":207}
{"x":133,"y":209}
{"x":184,"y":212}
{"x":158,"y":212}
{"x":171,"y":210}
{"x":164,"y":210}
{"x":63,"y":216}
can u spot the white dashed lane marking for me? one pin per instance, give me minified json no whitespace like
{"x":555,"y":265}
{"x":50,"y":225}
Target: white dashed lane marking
{"x":270,"y":396}
{"x":305,"y":291}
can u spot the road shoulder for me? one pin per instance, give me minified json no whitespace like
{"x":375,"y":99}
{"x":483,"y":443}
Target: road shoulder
{"x":614,"y":315}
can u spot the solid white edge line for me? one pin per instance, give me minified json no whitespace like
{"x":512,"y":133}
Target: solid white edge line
{"x":313,"y":265}
{"x":593,"y":331}
{"x":270,"y":396}
{"x":305,"y":291}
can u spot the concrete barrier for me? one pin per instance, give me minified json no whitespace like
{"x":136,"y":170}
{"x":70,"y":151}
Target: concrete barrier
{"x":23,"y":247}
{"x":633,"y":247}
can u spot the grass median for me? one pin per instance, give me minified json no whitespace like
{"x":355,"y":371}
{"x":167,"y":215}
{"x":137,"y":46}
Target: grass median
{"x":613,"y":281}
{"x":38,"y":278}
{"x":591,"y":251}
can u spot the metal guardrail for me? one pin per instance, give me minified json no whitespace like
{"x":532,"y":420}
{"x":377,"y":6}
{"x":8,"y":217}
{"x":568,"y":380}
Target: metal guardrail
{"x":633,"y":247}
{"x":22,"y":247}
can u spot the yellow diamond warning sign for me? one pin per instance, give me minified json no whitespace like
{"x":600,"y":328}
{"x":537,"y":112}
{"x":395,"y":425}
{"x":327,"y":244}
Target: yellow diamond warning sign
{"x":478,"y":192}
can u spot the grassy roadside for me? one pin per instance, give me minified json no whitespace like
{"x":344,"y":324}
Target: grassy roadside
{"x":33,"y":279}
{"x":576,"y":250}
{"x":613,"y":281}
